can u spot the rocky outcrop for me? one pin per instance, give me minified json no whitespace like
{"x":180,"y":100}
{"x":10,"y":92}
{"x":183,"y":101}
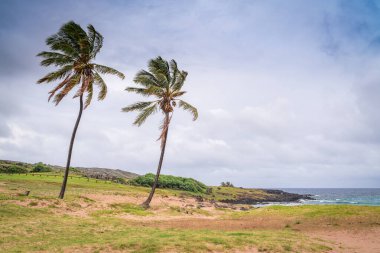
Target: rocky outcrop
{"x":271,"y":196}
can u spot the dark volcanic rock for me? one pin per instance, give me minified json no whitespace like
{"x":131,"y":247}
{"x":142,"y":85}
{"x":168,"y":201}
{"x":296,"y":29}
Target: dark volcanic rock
{"x":273,"y":196}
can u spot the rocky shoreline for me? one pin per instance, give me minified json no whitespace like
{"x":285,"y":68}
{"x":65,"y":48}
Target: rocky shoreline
{"x":276,"y":196}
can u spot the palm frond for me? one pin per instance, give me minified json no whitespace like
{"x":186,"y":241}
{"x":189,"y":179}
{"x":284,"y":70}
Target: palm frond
{"x":188,"y":107}
{"x":139,"y":106}
{"x":85,"y":47}
{"x":95,"y":39}
{"x":161,"y":70}
{"x":59,"y":86}
{"x":75,"y":80}
{"x":59,"y":61}
{"x":140,"y":119}
{"x":178,"y":93}
{"x":46,"y":54}
{"x":63,"y":45}
{"x":89,"y":95}
{"x":174,"y":70}
{"x":76,"y":35}
{"x":59,"y":74}
{"x":98,"y":80}
{"x":180,"y":80}
{"x":146,"y":79}
{"x":54,"y":55}
{"x":108,"y":70}
{"x":162,"y":80}
{"x":152,"y":90}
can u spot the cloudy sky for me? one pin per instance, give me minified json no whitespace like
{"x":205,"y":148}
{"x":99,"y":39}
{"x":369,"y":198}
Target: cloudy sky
{"x":288,"y":92}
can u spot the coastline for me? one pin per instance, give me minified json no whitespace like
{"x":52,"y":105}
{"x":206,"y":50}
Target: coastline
{"x":272,"y":196}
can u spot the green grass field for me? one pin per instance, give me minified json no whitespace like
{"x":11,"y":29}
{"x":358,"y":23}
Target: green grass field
{"x":88,"y":221}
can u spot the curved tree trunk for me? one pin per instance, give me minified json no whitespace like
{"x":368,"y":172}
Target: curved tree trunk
{"x":63,"y":188}
{"x":154,"y":186}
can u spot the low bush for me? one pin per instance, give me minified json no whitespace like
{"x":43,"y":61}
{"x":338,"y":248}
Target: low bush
{"x":74,"y":170}
{"x":226,"y":184}
{"x":12,"y":169}
{"x":119,"y":180}
{"x":170,"y":182}
{"x":40,"y":167}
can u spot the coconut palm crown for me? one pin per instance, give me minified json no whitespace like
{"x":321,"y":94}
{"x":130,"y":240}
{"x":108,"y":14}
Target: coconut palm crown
{"x":164,"y":82}
{"x":72,"y":51}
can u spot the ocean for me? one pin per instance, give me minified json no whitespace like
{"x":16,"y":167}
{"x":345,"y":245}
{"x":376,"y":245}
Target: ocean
{"x":339,"y":196}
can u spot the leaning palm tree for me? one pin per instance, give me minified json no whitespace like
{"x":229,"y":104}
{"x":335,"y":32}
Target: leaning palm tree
{"x":72,"y":51}
{"x":163,"y":81}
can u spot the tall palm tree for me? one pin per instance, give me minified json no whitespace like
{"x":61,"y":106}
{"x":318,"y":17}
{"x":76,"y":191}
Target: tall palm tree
{"x":164,"y":82}
{"x":72,"y":51}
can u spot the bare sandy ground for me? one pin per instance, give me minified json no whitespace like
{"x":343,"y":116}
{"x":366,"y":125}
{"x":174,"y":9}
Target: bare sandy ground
{"x":350,"y":241}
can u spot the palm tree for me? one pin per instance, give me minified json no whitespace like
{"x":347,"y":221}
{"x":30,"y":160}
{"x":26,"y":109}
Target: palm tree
{"x":163,"y":81}
{"x":72,"y":51}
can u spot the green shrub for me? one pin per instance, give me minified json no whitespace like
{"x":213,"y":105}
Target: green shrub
{"x":74,"y":170}
{"x":226,"y":184}
{"x":40,"y":167}
{"x":120,"y":180}
{"x":170,"y":182}
{"x":13,"y":169}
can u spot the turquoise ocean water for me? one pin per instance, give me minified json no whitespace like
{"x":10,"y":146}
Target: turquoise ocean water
{"x":340,"y":196}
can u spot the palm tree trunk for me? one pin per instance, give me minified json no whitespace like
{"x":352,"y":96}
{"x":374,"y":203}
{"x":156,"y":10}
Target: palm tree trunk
{"x":64,"y":183}
{"x":154,"y":186}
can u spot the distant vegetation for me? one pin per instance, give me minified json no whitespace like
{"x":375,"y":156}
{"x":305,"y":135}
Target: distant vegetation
{"x":170,"y":182}
{"x":226,"y":184}
{"x":74,"y":170}
{"x":13,"y":169}
{"x":40,"y":167}
{"x":118,"y":176}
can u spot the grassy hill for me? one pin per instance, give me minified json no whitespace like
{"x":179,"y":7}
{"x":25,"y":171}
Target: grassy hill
{"x":101,"y":173}
{"x":101,"y":216}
